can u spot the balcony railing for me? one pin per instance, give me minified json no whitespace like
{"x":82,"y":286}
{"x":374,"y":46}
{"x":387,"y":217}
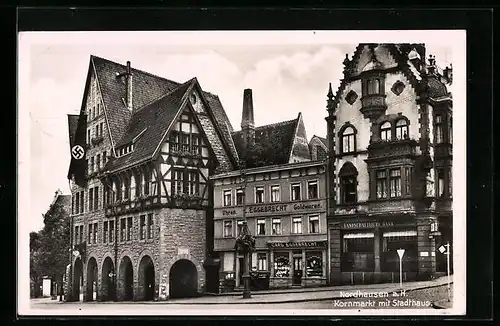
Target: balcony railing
{"x":391,"y":148}
{"x":373,"y":106}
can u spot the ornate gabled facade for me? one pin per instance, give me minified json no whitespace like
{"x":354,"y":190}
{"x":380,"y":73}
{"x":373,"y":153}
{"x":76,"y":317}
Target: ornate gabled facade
{"x":389,"y":129}
{"x":279,"y":191}
{"x":142,"y":216}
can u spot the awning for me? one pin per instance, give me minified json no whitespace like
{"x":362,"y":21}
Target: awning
{"x":358,"y":235}
{"x":411,"y":233}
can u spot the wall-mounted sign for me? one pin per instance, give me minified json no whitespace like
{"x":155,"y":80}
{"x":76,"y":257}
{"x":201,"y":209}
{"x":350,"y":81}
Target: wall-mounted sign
{"x":298,"y":244}
{"x":366,"y":225}
{"x":260,"y":209}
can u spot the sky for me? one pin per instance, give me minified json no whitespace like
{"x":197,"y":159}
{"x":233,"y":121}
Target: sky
{"x":289,"y":72}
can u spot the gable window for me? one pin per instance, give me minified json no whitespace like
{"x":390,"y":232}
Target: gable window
{"x":259,"y":195}
{"x":312,"y":189}
{"x":348,"y":183}
{"x":174,"y":141}
{"x":228,"y":229}
{"x":185,"y":142}
{"x":395,"y":182}
{"x":373,"y":86}
{"x":385,"y":131}
{"x":297,"y":225}
{"x":381,"y":184}
{"x":261,"y":227}
{"x":295,"y":187}
{"x":240,"y":196}
{"x":275,"y":193}
{"x":276,"y":227}
{"x":348,"y":140}
{"x":177,"y":184}
{"x":227,"y":197}
{"x":402,"y":129}
{"x":439,"y":129}
{"x":314,"y":224}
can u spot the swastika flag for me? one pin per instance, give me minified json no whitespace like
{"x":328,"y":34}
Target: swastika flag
{"x":77,"y":131}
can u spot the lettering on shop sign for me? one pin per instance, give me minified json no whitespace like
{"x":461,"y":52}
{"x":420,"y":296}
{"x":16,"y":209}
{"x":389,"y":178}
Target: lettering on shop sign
{"x":367,"y":225}
{"x":226,"y":212}
{"x":298,"y":244}
{"x":267,"y":208}
{"x":302,"y":206}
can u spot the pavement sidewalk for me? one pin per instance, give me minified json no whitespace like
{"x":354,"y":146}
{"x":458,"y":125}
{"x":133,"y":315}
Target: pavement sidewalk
{"x":303,"y":295}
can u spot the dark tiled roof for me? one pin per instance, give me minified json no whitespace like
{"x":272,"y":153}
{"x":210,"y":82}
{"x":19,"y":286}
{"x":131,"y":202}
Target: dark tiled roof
{"x":72,"y":125}
{"x":274,"y":143}
{"x":435,"y":88}
{"x":154,"y":118}
{"x":147,"y":88}
{"x":323,"y":140}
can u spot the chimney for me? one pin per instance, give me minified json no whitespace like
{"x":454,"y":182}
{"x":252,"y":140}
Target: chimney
{"x":247,"y":122}
{"x":129,"y":87}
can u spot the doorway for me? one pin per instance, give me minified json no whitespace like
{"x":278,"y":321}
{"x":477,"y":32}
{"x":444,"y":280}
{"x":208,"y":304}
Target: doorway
{"x":297,"y":271}
{"x":183,"y":279}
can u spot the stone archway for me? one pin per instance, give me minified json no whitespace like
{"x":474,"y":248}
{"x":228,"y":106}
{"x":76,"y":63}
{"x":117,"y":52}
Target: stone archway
{"x":183,"y":279}
{"x":126,"y":280}
{"x":77,"y":279}
{"x":92,"y":277}
{"x":107,"y":280}
{"x":146,"y":289}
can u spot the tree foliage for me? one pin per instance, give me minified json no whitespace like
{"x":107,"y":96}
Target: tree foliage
{"x":49,"y":247}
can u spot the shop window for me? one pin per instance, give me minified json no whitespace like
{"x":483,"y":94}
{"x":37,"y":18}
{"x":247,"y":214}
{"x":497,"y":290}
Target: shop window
{"x":402,"y":129}
{"x":240,"y":196}
{"x":281,"y":265}
{"x":276,"y":226}
{"x":275,"y":193}
{"x":381,"y":184}
{"x":395,"y":182}
{"x":314,"y":264}
{"x":391,"y":242}
{"x":227,"y":197}
{"x":314,"y":224}
{"x":357,"y":252}
{"x":239,"y":227}
{"x":385,"y":131}
{"x":259,"y":195}
{"x":261,"y":227}
{"x":295,"y":188}
{"x":348,"y":140}
{"x":228,"y":229}
{"x":262,"y":261}
{"x":312,"y":189}
{"x":297,"y":225}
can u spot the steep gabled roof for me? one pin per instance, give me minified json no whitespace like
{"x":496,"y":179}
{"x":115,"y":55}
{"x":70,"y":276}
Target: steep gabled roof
{"x":147,"y":88}
{"x":152,"y":121}
{"x":275,"y":139}
{"x":321,"y":139}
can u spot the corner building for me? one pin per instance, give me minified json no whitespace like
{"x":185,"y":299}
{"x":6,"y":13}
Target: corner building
{"x":142,"y":218}
{"x":281,"y":194}
{"x":389,"y":136}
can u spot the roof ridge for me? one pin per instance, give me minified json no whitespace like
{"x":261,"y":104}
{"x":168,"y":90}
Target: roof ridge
{"x":280,"y":123}
{"x":139,"y":70}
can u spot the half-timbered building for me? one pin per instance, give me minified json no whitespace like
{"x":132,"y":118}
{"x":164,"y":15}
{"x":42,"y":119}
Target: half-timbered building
{"x":142,"y":212}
